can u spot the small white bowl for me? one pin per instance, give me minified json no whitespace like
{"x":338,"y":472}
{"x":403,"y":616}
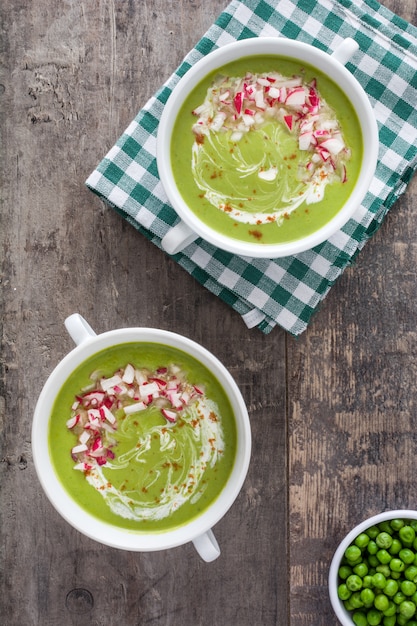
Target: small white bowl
{"x":343,"y":615}
{"x":198,"y":529}
{"x":190,"y":227}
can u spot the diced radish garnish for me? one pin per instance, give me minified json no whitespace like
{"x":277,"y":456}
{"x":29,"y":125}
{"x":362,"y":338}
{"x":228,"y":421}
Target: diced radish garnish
{"x":148,"y":389}
{"x":73,"y":421}
{"x":296,"y":97}
{"x":274,"y":93}
{"x":84,"y":437}
{"x":259,"y":100}
{"x":80,"y":448}
{"x":134,"y":408}
{"x":289,"y":120}
{"x":248,"y":119}
{"x":224,"y":96}
{"x":159,"y":381}
{"x":264,"y":82}
{"x":238,"y":102}
{"x":107,"y":414}
{"x":84,"y":467}
{"x":198,"y":390}
{"x":93,"y":398}
{"x":107,"y":383}
{"x":129,"y":374}
{"x":304,"y":140}
{"x":171,"y":416}
{"x":333,"y":145}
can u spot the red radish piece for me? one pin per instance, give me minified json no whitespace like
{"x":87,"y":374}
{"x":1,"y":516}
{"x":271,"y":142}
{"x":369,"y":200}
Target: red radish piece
{"x":134,"y":408}
{"x":171,"y":416}
{"x":73,"y":421}
{"x":289,"y":120}
{"x":238,"y":102}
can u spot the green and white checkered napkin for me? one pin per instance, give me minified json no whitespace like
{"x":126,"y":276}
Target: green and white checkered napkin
{"x":285,"y":291}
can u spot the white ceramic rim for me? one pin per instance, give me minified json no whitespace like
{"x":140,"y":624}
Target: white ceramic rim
{"x":91,"y":526}
{"x":305,"y":53}
{"x":342,"y":614}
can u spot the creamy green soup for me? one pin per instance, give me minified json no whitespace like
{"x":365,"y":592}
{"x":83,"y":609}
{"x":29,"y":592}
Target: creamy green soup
{"x":143,"y":436}
{"x":265,"y":150}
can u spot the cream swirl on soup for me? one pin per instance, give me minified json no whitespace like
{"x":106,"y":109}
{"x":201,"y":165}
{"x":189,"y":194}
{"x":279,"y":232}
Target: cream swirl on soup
{"x":264,"y":144}
{"x":145,"y":440}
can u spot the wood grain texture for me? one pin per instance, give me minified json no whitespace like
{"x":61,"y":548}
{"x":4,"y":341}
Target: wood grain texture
{"x":332,"y":413}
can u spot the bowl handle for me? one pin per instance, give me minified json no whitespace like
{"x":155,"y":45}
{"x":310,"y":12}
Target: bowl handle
{"x":207,"y":546}
{"x":345,"y":50}
{"x":178,"y":237}
{"x":78,"y":328}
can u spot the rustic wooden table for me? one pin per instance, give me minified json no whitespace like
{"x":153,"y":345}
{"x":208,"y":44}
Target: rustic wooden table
{"x":333,"y":413}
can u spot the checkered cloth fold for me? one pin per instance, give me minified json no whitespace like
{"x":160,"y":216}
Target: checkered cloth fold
{"x":284,"y":291}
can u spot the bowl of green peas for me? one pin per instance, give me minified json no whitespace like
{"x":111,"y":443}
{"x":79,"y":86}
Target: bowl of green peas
{"x":373,"y":574}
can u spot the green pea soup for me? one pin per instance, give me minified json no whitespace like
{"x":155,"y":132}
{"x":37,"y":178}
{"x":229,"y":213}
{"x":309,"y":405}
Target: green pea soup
{"x":168,"y":455}
{"x":306,"y":218}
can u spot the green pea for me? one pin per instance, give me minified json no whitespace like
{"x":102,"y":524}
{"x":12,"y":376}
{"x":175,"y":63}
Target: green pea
{"x":352,"y":553}
{"x":390,"y":620}
{"x":401,"y":620}
{"x":413,"y":524}
{"x":372,"y":532}
{"x":414,"y":598}
{"x":372,"y":560}
{"x":359,"y":618}
{"x":415,"y":544}
{"x":391,"y":610}
{"x":391,"y":587}
{"x":399,"y":597}
{"x":361,"y":569}
{"x":381,"y":602}
{"x":367,"y":582}
{"x":347,"y":604}
{"x":407,"y":609}
{"x":384,"y":569}
{"x":383,"y":540}
{"x":396,"y":565}
{"x":396,"y":524}
{"x":343,"y":592}
{"x":396,"y":575}
{"x":408,"y":588}
{"x":407,"y":535}
{"x":383,"y":556}
{"x":354,"y":582}
{"x":379,"y":580}
{"x":386,"y":527}
{"x":407,"y":556}
{"x":412,"y":622}
{"x":395,"y":546}
{"x":355,"y":600}
{"x":372,"y":547}
{"x":362,"y":540}
{"x":367,"y":597}
{"x":344,"y":571}
{"x":411,"y":573}
{"x":374,"y":617}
